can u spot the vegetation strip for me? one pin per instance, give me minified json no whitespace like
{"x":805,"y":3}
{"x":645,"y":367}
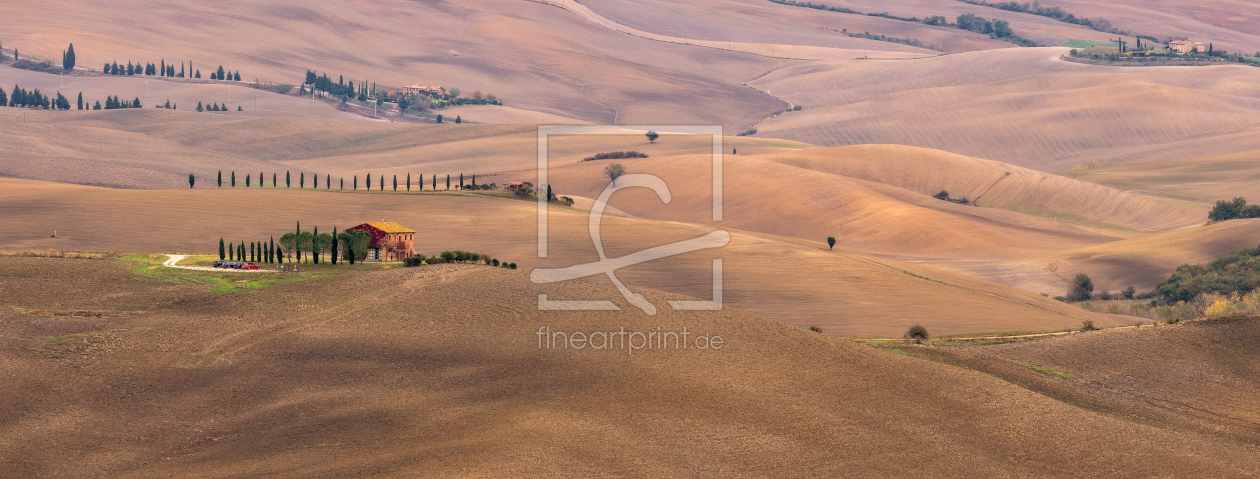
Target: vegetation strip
{"x":996,"y":29}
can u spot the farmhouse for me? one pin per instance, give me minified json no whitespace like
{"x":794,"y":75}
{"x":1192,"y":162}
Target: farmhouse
{"x":1186,"y":46}
{"x":390,"y":241}
{"x":417,"y":89}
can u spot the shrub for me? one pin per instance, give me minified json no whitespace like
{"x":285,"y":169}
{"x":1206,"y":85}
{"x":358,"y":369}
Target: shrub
{"x":615,"y":155}
{"x":434,"y":260}
{"x":918,"y":333}
{"x":1087,"y":305}
{"x":815,"y":329}
{"x":448,"y":256}
{"x":513,"y":266}
{"x":494,"y":262}
{"x":943,"y":195}
{"x":1088,"y":325}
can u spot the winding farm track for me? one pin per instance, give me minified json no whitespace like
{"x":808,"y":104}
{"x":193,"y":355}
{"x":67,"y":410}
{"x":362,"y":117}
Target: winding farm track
{"x":176,"y":258}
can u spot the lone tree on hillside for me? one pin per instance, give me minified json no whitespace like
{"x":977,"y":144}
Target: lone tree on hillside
{"x":918,"y":333}
{"x":191,"y":180}
{"x":652,"y":136}
{"x":1082,"y":288}
{"x":614,"y":171}
{"x":220,"y":178}
{"x":67,"y":58}
{"x":943,"y":195}
{"x":831,"y":242}
{"x":222,"y":249}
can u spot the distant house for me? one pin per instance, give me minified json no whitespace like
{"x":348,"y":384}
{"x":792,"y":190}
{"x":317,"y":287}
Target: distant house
{"x":514,"y":185}
{"x":418,"y":89}
{"x":1182,"y":46}
{"x":390,"y":241}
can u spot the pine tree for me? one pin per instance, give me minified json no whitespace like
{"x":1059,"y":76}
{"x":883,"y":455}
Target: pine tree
{"x":80,"y":99}
{"x":220,"y":75}
{"x":237,"y":76}
{"x":221,"y":249}
{"x":197,"y":74}
{"x":199,"y":107}
{"x":4,"y":99}
{"x":220,"y":178}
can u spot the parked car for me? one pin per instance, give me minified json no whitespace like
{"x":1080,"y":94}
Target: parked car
{"x":218,"y":263}
{"x":249,"y":266}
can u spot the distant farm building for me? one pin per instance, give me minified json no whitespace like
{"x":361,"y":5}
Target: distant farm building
{"x":418,"y":89}
{"x":390,"y":241}
{"x":1186,"y":46}
{"x":514,"y":185}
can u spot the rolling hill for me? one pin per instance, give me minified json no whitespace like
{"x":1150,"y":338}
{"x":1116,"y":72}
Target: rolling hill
{"x":846,"y":292}
{"x":1021,"y":106}
{"x":437,"y":371}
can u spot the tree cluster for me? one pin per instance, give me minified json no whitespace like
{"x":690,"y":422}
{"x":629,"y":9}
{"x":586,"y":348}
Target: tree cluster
{"x":615,"y":155}
{"x":1236,"y":272}
{"x":114,"y":103}
{"x":1232,"y":210}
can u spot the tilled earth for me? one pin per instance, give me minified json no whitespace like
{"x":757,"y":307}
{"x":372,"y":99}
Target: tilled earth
{"x":437,"y":371}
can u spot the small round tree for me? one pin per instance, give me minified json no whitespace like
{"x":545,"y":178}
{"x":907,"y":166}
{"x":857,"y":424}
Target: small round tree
{"x":918,"y":333}
{"x":831,"y":242}
{"x":652,"y":136}
{"x":1082,"y":288}
{"x":614,"y":171}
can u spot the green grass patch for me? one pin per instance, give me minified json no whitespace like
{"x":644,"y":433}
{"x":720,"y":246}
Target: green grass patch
{"x":1045,"y":370}
{"x":150,"y":266}
{"x":1078,"y":43}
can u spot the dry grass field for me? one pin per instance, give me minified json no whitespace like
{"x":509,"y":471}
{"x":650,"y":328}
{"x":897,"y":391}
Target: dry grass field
{"x":1201,"y":181}
{"x":437,"y":371}
{"x":1197,"y":376}
{"x":1021,"y":106}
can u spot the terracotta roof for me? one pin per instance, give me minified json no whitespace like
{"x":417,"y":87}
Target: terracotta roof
{"x":390,"y":227}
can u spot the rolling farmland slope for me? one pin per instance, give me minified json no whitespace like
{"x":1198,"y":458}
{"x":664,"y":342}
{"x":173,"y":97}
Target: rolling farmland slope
{"x":1021,"y":106}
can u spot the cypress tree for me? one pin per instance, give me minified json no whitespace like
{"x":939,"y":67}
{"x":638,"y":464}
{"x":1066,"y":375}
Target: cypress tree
{"x":287,"y":183}
{"x":549,"y":195}
{"x":332,"y":249}
{"x":315,"y":247}
{"x":220,"y":178}
{"x":420,"y":182}
{"x":80,"y":101}
{"x":299,"y":233}
{"x":231,"y":252}
{"x":383,"y":183}
{"x":395,"y":182}
{"x":234,"y":179}
{"x":191,"y":180}
{"x":260,"y":179}
{"x":271,"y":250}
{"x":302,"y":180}
{"x":251,"y":252}
{"x":221,"y":252}
{"x":434,"y":182}
{"x":356,"y":182}
{"x":343,"y":183}
{"x":181,"y":70}
{"x":247,"y":181}
{"x":474,"y":181}
{"x":408,"y":181}
{"x":273,"y":180}
{"x":163,"y":67}
{"x":328,"y":181}
{"x":241,"y":254}
{"x":461,"y":181}
{"x":448,"y":182}
{"x":4,"y":100}
{"x":68,"y":63}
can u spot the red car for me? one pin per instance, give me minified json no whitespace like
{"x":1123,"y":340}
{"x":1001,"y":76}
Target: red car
{"x":249,"y":266}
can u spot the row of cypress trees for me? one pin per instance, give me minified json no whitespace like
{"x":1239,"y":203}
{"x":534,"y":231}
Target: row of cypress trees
{"x":328,"y":181}
{"x":36,"y":99}
{"x":259,"y":252}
